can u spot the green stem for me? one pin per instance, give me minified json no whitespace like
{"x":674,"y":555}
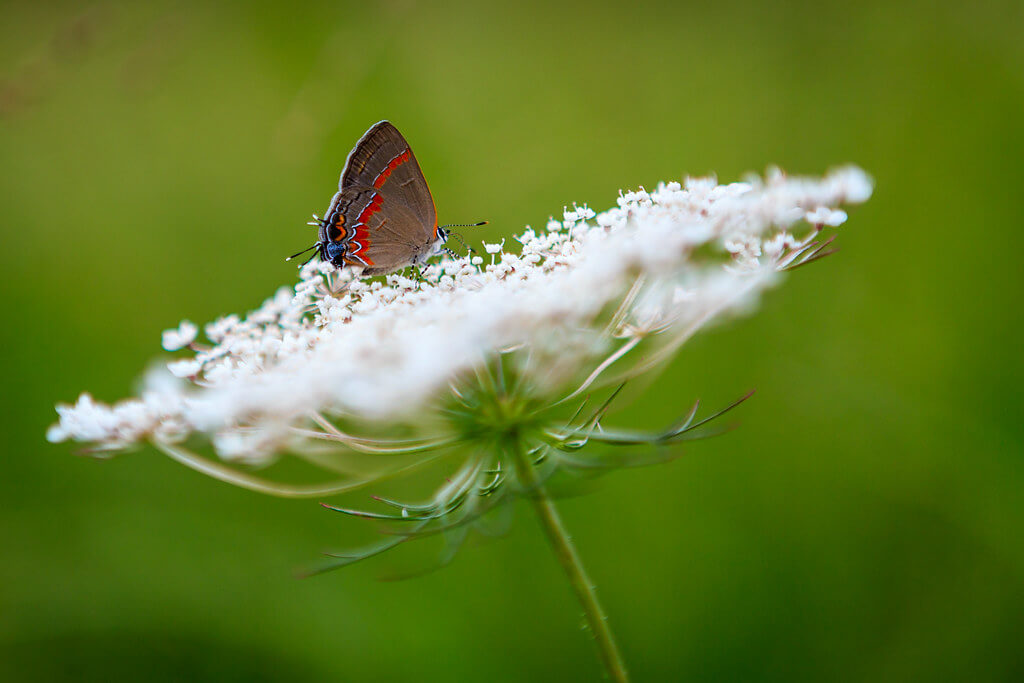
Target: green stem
{"x":566,"y":553}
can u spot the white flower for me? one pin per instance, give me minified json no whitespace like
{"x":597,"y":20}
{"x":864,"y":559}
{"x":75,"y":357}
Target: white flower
{"x":566,"y":312}
{"x":775,"y":246}
{"x":219,"y":329}
{"x":180,"y":337}
{"x":187,"y":367}
{"x":826,"y":216}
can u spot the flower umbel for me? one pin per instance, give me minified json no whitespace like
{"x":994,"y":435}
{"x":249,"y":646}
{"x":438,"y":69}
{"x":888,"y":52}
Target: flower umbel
{"x":490,"y":362}
{"x":323,"y":369}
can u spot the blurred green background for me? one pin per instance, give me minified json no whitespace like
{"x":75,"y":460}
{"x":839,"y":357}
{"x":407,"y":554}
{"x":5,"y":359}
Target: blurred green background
{"x":864,"y":523}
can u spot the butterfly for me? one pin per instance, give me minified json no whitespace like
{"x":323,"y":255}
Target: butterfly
{"x":383,"y":217}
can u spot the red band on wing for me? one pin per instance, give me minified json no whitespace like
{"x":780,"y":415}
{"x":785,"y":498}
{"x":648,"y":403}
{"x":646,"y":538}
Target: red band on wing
{"x":356,"y":258}
{"x":362,"y":242}
{"x":361,"y":239}
{"x":371,"y":208}
{"x":383,"y":176}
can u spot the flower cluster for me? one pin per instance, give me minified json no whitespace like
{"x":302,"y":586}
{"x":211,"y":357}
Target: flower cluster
{"x":470,"y":345}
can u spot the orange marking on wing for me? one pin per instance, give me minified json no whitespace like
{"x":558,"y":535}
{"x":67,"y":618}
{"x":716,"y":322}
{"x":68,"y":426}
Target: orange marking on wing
{"x":383,"y":176}
{"x":339,"y":225}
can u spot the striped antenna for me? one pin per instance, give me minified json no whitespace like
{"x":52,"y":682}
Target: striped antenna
{"x":303,"y":252}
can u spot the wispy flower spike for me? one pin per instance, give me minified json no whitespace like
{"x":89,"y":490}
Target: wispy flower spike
{"x":684,"y":429}
{"x":484,"y":366}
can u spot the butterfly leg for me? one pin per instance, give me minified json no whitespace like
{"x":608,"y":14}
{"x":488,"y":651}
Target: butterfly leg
{"x":458,"y":238}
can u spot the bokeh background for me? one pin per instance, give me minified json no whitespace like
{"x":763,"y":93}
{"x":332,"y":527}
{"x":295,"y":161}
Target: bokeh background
{"x":866,"y":522}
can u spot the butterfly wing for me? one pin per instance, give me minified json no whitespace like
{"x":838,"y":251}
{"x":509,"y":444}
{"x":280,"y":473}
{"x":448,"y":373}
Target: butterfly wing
{"x":366,"y":227}
{"x":383,"y":160}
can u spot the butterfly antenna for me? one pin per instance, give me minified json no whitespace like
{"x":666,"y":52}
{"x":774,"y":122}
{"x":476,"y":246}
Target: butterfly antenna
{"x":312,"y":256}
{"x":303,"y":252}
{"x":463,"y":225}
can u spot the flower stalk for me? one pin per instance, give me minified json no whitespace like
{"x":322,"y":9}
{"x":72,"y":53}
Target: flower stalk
{"x":568,"y":557}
